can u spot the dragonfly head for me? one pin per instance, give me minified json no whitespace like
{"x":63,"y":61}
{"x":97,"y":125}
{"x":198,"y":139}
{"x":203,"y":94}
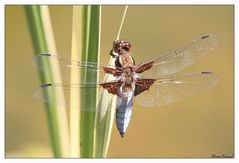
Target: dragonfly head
{"x":119,"y":47}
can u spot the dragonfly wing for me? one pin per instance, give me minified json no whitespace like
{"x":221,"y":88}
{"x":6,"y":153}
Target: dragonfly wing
{"x":172,"y":89}
{"x":178,"y":60}
{"x":49,"y":92}
{"x":42,"y":62}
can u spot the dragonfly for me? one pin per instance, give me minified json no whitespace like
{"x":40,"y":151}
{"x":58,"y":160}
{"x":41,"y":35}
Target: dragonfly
{"x":152,"y":83}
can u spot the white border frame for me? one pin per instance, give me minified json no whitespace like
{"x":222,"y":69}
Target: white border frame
{"x":110,"y":2}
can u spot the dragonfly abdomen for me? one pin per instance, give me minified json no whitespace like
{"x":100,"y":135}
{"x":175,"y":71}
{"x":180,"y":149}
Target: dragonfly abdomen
{"x":124,"y":111}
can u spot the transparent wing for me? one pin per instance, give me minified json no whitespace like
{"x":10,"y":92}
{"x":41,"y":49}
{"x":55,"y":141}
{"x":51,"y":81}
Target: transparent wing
{"x":178,"y":60}
{"x":67,"y":65}
{"x":172,"y":89}
{"x":49,"y":92}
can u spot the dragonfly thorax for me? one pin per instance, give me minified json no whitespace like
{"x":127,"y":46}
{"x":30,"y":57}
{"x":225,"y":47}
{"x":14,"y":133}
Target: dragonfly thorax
{"x":128,"y":76}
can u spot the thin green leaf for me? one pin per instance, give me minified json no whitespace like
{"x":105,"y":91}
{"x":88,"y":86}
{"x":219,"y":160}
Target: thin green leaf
{"x":57,"y":121}
{"x":90,"y":53}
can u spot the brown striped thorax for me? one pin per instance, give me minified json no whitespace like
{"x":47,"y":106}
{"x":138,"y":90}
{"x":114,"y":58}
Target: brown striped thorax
{"x":121,"y":51}
{"x":126,"y":68}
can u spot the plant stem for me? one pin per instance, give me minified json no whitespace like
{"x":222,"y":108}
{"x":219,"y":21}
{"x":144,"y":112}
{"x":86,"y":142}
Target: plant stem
{"x":122,"y":22}
{"x":90,"y":53}
{"x":57,"y":121}
{"x":76,"y":51}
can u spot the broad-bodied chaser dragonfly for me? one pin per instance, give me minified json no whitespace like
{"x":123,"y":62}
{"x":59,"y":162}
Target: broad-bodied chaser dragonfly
{"x":151,"y":83}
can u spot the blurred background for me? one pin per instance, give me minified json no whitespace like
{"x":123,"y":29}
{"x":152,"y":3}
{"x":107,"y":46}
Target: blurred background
{"x":198,"y":126}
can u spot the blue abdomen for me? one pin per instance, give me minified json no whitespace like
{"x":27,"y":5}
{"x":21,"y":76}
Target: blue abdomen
{"x":124,"y":111}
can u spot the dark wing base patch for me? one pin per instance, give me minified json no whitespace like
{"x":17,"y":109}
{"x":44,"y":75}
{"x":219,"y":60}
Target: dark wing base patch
{"x":142,"y":84}
{"x":145,"y":66}
{"x":115,"y":72}
{"x":111,"y":87}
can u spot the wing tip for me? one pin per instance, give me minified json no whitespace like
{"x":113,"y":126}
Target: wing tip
{"x":206,"y":72}
{"x":206,"y":36}
{"x":212,"y":39}
{"x":213,"y":76}
{"x":46,"y":85}
{"x":45,"y":54}
{"x":209,"y":36}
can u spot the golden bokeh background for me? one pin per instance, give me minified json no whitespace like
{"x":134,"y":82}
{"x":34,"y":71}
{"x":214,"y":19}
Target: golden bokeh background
{"x":198,"y":126}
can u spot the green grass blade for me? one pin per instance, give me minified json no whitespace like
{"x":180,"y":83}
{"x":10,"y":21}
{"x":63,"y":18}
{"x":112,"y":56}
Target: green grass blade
{"x":76,"y":50}
{"x":90,"y":53}
{"x":57,"y":121}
